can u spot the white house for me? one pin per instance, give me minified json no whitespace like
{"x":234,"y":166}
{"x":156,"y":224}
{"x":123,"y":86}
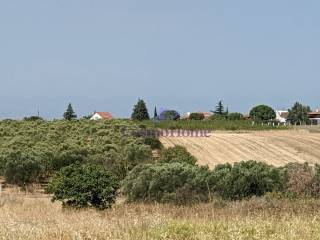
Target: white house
{"x":315,"y":117}
{"x":101,"y":115}
{"x":282,"y":116}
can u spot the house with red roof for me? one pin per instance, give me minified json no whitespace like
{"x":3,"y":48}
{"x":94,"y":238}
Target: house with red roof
{"x":282,"y":116}
{"x":314,"y":116}
{"x":101,"y":116}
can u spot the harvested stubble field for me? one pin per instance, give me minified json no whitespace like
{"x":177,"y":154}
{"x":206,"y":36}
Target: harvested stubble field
{"x":28,"y":218}
{"x":273,"y":147}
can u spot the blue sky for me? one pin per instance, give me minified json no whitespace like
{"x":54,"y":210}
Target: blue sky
{"x":181,"y":54}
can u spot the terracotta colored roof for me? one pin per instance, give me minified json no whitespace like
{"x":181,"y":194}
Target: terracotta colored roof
{"x":284,"y":114}
{"x":206,"y":114}
{"x":105,"y":115}
{"x":316,"y":112}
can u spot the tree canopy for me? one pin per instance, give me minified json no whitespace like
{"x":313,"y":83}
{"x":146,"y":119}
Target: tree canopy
{"x":140,"y":111}
{"x":155,"y":113}
{"x":32,"y":150}
{"x":262,"y":113}
{"x":196,"y":116}
{"x":298,"y":114}
{"x":69,"y":113}
{"x":169,"y":115}
{"x":84,"y":186}
{"x":219,"y":109}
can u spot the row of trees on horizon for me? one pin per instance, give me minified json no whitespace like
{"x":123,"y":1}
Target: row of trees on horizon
{"x":298,"y":114}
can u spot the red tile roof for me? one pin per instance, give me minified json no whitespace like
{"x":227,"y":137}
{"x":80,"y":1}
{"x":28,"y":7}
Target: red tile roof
{"x":105,"y":115}
{"x":206,"y":114}
{"x":284,"y":114}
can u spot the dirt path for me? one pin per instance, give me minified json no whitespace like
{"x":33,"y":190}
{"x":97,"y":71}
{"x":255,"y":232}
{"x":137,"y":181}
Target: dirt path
{"x":273,"y":147}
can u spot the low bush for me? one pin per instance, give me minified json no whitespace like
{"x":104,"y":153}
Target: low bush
{"x":153,"y":142}
{"x":218,"y":117}
{"x":70,"y":155}
{"x":33,"y":118}
{"x":169,"y":115}
{"x":246,"y":179}
{"x":177,"y":154}
{"x":302,"y":180}
{"x":234,"y":116}
{"x":120,"y":160}
{"x":84,"y":186}
{"x":178,"y":183}
{"x":22,"y":169}
{"x":182,"y":183}
{"x":196,"y":116}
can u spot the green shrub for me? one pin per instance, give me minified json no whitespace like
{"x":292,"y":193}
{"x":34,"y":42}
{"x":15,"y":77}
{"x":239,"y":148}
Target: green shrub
{"x":169,"y":115}
{"x":246,"y":179}
{"x":70,"y":155}
{"x":84,"y":186}
{"x":217,"y":117}
{"x":121,"y":159}
{"x":33,"y":118}
{"x":178,"y":183}
{"x":234,"y":116}
{"x":22,"y":169}
{"x":153,"y":142}
{"x":196,"y":116}
{"x":177,"y":154}
{"x":59,"y":143}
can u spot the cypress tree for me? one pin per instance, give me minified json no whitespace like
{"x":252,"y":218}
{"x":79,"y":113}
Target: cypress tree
{"x":140,"y":111}
{"x":155,"y":113}
{"x":69,"y":113}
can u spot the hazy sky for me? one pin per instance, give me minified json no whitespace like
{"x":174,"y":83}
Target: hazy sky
{"x":181,"y":54}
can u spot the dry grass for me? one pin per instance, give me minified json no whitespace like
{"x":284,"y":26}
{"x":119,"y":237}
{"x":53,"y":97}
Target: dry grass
{"x":29,"y":218}
{"x":273,"y":147}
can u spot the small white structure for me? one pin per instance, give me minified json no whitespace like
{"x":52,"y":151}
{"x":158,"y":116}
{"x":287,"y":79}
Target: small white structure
{"x":101,"y":115}
{"x":282,"y":116}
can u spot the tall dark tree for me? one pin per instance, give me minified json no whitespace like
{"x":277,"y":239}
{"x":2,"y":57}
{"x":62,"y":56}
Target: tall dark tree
{"x":155,"y":113}
{"x":69,"y":113}
{"x":219,"y":110}
{"x":140,"y":111}
{"x":298,"y":114}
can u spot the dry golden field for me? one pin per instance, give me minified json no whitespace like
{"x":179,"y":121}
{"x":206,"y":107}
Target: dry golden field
{"x":28,"y":218}
{"x":273,"y":147}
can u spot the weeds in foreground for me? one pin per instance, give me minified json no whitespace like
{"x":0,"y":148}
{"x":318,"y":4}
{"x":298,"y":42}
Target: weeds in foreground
{"x":258,"y":218}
